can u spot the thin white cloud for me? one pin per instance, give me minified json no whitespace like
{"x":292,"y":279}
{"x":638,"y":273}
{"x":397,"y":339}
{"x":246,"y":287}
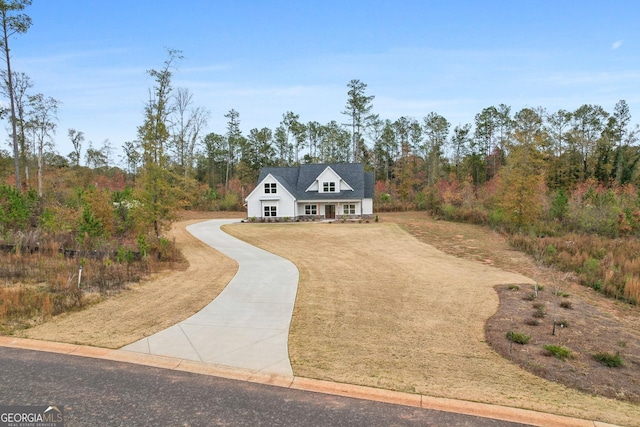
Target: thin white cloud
{"x":616,"y":44}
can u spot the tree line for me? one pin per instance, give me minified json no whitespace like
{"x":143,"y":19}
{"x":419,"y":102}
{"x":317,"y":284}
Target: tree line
{"x":174,"y":161}
{"x":539,"y":174}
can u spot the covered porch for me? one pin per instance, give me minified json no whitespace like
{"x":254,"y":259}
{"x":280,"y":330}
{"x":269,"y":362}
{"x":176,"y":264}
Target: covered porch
{"x":330,"y":209}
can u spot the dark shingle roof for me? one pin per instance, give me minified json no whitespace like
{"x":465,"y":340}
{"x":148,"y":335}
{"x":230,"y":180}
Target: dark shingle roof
{"x":297,"y":179}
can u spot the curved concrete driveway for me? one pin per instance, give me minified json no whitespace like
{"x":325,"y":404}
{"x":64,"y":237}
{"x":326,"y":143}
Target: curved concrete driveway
{"x":247,"y":325}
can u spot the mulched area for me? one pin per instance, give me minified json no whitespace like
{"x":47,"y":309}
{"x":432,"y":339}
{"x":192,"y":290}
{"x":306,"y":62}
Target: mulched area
{"x":594,"y":323}
{"x":582,"y":327}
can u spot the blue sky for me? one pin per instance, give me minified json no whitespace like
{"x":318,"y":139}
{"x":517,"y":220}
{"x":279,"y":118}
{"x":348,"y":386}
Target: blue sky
{"x":264,"y":58}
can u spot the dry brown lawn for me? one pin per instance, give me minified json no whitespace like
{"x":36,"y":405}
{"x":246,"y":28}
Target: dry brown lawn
{"x":593,"y":322}
{"x":376,"y":306}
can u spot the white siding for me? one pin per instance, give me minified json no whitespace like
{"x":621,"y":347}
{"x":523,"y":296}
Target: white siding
{"x":287,"y":206}
{"x":367,"y":207}
{"x":254,"y":208}
{"x":329,"y":176}
{"x":281,"y":199}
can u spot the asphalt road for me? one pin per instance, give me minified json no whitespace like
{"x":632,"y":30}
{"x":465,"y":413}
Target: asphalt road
{"x":105,"y":393}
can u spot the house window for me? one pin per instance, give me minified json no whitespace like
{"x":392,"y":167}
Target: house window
{"x":270,"y":188}
{"x":329,"y":187}
{"x":349,"y":209}
{"x":270,"y":211}
{"x":311,"y":209}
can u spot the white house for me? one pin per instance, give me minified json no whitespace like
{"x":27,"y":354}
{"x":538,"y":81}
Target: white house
{"x":315,"y":191}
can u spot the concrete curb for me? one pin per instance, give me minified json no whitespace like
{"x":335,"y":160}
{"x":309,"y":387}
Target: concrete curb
{"x":484,"y":410}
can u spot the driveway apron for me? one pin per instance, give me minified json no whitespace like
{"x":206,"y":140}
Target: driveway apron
{"x":247,"y":325}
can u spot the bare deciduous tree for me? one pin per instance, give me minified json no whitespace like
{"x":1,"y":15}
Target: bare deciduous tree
{"x":42,"y":126}
{"x":13,"y":24}
{"x":187,"y":125}
{"x":76,"y":138}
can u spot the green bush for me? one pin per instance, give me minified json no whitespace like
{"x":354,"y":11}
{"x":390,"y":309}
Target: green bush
{"x":89,"y":224}
{"x":552,"y":252}
{"x":420,"y":201}
{"x":514,"y":287}
{"x":164,"y":245}
{"x":518,"y":338}
{"x":559,"y":205}
{"x":211,"y":194}
{"x":608,"y":359}
{"x":16,"y":208}
{"x":496,"y":217}
{"x":590,"y":269}
{"x":558,"y":351}
{"x":432,"y":201}
{"x":449,"y":212}
{"x":143,"y":246}
{"x":58,"y":219}
{"x":125,"y":255}
{"x":230,"y":202}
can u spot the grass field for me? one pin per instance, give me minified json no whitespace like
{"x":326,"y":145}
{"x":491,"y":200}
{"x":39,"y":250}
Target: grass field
{"x":375,"y":306}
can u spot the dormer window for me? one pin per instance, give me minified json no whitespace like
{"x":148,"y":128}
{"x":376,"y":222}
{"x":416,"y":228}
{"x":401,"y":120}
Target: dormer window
{"x":270,"y":188}
{"x":329,"y":187}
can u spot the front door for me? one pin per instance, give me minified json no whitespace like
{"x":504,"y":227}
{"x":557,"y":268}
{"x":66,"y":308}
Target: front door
{"x":330,"y":211}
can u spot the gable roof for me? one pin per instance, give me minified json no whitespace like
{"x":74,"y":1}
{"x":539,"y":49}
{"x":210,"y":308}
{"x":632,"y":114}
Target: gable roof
{"x":297,"y":180}
{"x":315,"y":184}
